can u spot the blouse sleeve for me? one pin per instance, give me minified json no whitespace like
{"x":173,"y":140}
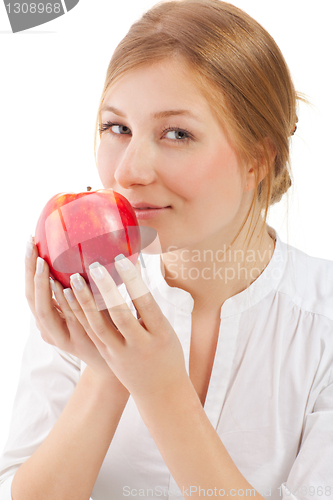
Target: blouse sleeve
{"x":312,"y":473}
{"x":47,"y":380}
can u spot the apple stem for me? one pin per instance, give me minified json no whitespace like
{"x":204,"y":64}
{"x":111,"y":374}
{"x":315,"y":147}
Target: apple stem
{"x":89,"y":188}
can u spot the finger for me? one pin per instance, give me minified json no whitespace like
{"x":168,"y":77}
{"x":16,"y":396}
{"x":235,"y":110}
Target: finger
{"x":73,"y":312}
{"x":97,"y":321}
{"x":118,"y":309}
{"x":61,"y":303}
{"x":30,"y":269}
{"x":122,"y":317}
{"x":47,"y":316}
{"x":140,"y":294}
{"x":108,"y":317}
{"x":69,"y":309}
{"x":59,"y":295}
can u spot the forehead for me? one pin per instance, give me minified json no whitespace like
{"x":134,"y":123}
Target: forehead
{"x":164,"y":82}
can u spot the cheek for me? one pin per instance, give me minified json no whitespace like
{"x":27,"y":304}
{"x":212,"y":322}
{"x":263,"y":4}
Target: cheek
{"x":105,"y":165}
{"x":228,"y":175}
{"x":214,"y":177}
{"x":190,"y":177}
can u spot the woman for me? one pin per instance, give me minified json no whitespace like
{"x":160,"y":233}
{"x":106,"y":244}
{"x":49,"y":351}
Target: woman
{"x":222,"y":384}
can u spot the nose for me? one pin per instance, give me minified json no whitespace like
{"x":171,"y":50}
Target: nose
{"x":137,"y":165}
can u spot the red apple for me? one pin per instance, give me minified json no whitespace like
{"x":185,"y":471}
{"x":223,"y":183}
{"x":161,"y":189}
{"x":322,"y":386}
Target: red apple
{"x":76,"y":229}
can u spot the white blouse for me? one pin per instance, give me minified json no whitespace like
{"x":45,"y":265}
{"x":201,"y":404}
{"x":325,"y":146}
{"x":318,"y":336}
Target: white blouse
{"x":270,"y":396}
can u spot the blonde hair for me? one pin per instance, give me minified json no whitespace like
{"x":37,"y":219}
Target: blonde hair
{"x":240,"y":70}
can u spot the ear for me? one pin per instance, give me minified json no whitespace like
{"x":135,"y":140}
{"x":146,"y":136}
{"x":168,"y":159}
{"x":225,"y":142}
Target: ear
{"x":260,"y":167}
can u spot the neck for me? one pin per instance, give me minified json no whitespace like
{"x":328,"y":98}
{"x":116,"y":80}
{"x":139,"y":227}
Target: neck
{"x":212,"y":273}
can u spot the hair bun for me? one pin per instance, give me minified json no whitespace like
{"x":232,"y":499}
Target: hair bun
{"x":281,"y":184}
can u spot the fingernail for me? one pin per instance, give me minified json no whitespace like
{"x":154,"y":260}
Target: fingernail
{"x":53,"y":285}
{"x":40,"y":265}
{"x":122,"y":263}
{"x":96,"y":270}
{"x":77,"y":281}
{"x":29,"y":247}
{"x":69,"y":294}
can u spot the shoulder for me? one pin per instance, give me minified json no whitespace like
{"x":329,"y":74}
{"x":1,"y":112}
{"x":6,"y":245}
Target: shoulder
{"x":308,"y":281}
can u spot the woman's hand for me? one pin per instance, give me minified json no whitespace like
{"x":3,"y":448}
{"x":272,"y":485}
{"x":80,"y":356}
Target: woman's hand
{"x":145,"y":354}
{"x":62,"y":323}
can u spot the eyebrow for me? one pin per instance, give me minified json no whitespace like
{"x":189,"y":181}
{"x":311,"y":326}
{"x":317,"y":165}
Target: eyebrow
{"x":159,"y":114}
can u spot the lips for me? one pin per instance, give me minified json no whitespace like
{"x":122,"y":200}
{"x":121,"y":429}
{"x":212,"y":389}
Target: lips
{"x":145,"y":213}
{"x":145,"y":206}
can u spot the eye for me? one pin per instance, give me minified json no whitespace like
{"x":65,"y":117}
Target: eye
{"x":181,"y":135}
{"x":107,"y":125}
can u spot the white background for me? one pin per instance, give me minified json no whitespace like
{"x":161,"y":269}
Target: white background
{"x":51,"y":80}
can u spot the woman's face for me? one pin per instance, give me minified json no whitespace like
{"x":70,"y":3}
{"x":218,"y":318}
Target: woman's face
{"x":166,"y":148}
